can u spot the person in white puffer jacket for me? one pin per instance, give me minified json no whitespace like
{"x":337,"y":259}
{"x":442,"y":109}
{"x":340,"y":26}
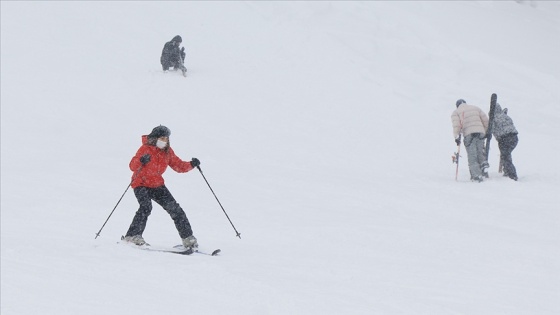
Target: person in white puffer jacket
{"x":472,"y":123}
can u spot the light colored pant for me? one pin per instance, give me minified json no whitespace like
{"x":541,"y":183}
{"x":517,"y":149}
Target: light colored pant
{"x":474,"y":143}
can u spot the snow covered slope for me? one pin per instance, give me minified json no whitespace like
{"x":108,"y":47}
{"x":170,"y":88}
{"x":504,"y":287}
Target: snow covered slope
{"x":323,"y":127}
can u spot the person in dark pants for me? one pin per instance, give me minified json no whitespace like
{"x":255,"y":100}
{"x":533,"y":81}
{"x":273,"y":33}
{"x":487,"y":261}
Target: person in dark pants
{"x":505,"y":133}
{"x":148,"y":165}
{"x":172,"y":56}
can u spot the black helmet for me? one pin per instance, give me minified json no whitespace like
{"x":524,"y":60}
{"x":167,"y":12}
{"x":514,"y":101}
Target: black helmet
{"x":459,"y":102}
{"x":177,"y":39}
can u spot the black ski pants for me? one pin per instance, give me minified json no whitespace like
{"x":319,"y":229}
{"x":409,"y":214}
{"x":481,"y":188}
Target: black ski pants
{"x":163,"y":197}
{"x":506,"y":144}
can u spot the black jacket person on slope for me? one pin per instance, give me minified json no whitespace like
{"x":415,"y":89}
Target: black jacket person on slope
{"x":172,"y":56}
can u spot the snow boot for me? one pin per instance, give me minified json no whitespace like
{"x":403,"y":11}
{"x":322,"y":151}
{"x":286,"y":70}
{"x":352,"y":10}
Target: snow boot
{"x":484,"y":167}
{"x":479,"y":178}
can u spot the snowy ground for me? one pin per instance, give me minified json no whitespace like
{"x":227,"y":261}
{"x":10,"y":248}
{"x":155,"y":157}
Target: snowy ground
{"x":323,"y":127}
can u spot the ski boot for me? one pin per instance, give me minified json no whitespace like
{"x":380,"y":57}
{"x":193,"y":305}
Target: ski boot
{"x":190,"y":243}
{"x":136,"y":239}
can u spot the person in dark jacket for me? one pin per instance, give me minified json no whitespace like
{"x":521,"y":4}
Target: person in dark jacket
{"x":148,"y":164}
{"x":505,"y":133}
{"x":172,"y":56}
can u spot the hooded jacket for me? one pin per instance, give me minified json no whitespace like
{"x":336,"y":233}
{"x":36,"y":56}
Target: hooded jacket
{"x":503,"y":124}
{"x":150,"y":175}
{"x":171,"y":52}
{"x":468,"y":119}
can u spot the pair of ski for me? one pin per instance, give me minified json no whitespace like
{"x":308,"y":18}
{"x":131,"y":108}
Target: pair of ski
{"x":455,"y":156}
{"x":181,"y":250}
{"x":177,"y":249}
{"x":183,"y":70}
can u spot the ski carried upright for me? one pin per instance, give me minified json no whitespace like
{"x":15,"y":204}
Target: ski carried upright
{"x":182,"y":65}
{"x":491,"y":114}
{"x":455,"y":158}
{"x":493,"y":101}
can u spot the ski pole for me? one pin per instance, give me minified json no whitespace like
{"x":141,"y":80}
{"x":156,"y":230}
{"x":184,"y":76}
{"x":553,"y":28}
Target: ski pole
{"x":200,"y":170}
{"x":135,"y":175}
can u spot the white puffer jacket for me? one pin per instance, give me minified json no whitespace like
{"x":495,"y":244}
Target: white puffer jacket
{"x":469,"y":119}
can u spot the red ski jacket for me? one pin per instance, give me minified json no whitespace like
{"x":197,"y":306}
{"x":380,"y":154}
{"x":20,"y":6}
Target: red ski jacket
{"x":150,"y":175}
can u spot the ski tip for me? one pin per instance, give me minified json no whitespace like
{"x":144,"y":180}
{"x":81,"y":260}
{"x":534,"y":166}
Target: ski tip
{"x":216,"y":252}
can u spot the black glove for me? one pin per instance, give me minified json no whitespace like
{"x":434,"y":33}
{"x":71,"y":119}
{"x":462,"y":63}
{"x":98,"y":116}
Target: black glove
{"x":195,"y":162}
{"x":145,"y":159}
{"x":458,"y":141}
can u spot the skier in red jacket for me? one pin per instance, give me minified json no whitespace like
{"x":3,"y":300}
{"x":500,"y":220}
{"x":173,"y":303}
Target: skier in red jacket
{"x":148,"y":165}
